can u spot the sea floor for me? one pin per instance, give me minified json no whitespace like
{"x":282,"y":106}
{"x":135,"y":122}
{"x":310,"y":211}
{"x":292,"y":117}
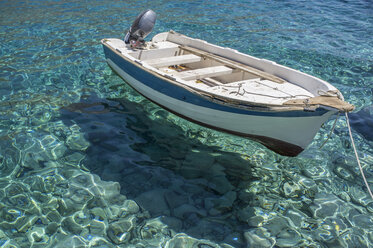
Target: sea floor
{"x":87,"y":162}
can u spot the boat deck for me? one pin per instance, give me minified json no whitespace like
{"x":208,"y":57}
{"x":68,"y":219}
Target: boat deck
{"x":212,"y":74}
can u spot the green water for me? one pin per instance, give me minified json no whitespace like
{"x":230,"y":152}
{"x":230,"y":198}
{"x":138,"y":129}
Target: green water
{"x":87,"y":162}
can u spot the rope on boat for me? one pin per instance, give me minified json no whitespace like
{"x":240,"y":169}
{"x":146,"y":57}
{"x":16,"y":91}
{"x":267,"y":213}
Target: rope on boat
{"x":254,"y":93}
{"x":357,"y":156}
{"x":331,"y":131}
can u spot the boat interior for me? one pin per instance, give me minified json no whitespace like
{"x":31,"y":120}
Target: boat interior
{"x":213,"y":74}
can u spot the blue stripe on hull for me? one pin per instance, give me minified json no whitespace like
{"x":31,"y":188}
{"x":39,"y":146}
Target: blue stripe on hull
{"x":179,"y":93}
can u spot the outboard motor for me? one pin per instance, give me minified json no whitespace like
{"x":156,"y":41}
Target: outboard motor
{"x":140,"y":28}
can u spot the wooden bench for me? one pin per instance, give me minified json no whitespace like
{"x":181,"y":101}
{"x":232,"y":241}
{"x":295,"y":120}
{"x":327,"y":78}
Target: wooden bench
{"x":233,"y":64}
{"x":174,"y":60}
{"x":213,"y":71}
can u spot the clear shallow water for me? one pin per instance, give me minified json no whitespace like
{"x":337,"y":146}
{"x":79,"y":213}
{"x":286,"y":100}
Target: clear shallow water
{"x":86,"y":161}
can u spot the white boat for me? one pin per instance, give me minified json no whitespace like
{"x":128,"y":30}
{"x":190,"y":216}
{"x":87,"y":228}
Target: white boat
{"x":227,"y":90}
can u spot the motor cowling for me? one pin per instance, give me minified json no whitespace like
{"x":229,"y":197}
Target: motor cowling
{"x":140,"y":28}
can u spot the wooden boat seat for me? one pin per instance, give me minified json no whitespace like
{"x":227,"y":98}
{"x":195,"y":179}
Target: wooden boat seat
{"x":233,"y":64}
{"x":213,"y":71}
{"x":243,"y":81}
{"x":174,"y":60}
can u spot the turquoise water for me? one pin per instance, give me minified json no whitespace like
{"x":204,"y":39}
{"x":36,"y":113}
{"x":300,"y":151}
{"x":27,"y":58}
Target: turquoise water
{"x":87,"y":162}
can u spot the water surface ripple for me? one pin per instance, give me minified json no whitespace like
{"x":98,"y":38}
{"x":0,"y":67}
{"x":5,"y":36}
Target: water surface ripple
{"x":87,"y":162}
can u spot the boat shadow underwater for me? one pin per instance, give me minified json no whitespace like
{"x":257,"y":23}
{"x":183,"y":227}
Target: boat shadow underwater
{"x":194,"y":188}
{"x":185,"y":184}
{"x":362,"y":122}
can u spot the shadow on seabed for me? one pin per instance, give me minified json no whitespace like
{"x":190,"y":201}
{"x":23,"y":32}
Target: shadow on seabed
{"x":194,"y":188}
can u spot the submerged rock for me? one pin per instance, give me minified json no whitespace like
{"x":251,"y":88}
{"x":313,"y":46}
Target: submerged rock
{"x":325,"y":205}
{"x":74,"y":159}
{"x":256,"y":221}
{"x":71,"y":226}
{"x":288,"y":237}
{"x":259,"y":237}
{"x":130,"y":207}
{"x":97,"y":227}
{"x":120,"y":231}
{"x":175,"y":199}
{"x":291,"y":189}
{"x":172,"y":222}
{"x":364,"y":221}
{"x":183,"y":240}
{"x":276,"y":225}
{"x":220,"y":184}
{"x":63,"y":241}
{"x":244,"y":214}
{"x":51,"y":228}
{"x":37,"y":235}
{"x":359,"y":196}
{"x":153,"y":201}
{"x":77,"y":141}
{"x":295,"y":216}
{"x":185,"y":210}
{"x":154,"y":228}
{"x":98,"y":214}
{"x":222,"y":204}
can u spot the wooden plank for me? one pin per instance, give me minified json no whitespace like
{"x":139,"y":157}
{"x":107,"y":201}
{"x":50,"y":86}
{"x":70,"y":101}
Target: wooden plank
{"x":234,"y":64}
{"x":174,"y":60}
{"x":330,"y":101}
{"x":243,"y":81}
{"x":215,"y":82}
{"x":204,"y":73}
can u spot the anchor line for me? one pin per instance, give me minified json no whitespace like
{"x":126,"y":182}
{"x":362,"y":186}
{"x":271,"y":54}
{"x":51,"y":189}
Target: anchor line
{"x":357,"y":156}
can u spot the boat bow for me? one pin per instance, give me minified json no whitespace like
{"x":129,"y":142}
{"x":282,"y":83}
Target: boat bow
{"x":334,"y":102}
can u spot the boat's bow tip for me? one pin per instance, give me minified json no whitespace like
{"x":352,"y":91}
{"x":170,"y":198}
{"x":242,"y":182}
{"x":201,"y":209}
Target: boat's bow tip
{"x":327,"y":101}
{"x":104,"y":40}
{"x":348,"y":107}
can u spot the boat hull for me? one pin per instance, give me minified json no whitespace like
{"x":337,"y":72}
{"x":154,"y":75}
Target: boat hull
{"x":287,"y":133}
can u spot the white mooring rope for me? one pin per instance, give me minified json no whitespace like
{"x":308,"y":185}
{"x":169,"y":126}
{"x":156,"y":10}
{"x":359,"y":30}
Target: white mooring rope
{"x":357,"y":157}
